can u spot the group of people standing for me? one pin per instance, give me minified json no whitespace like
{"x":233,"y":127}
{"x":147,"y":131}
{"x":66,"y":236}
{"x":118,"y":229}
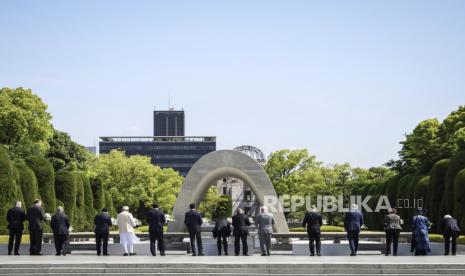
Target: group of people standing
{"x":264,"y":221}
{"x":353,"y":222}
{"x":222,"y":231}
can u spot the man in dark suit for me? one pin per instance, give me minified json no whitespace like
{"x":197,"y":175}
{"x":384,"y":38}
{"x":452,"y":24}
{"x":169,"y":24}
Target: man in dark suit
{"x":450,"y":230}
{"x":193,"y":220}
{"x":15,"y":218}
{"x":241,"y":224}
{"x":313,"y":222}
{"x":102,"y":224}
{"x":60,"y":228}
{"x":156,"y":220}
{"x":353,"y":222}
{"x":35,"y":215}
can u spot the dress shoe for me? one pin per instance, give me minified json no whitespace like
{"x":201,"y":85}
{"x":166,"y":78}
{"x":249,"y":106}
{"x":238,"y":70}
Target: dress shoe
{"x":237,"y":255}
{"x":263,"y":254}
{"x":201,"y":254}
{"x":106,"y":254}
{"x":98,"y":254}
{"x":17,"y":254}
{"x":162,"y":254}
{"x":312,"y":254}
{"x":57,"y":254}
{"x":125,"y":254}
{"x":9,"y":253}
{"x":132,"y":254}
{"x":226,"y":254}
{"x":245,"y":254}
{"x":193,"y":254}
{"x":318,"y":254}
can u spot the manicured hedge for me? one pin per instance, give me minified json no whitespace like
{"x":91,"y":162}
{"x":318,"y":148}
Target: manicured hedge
{"x":459,"y":198}
{"x":457,"y":163}
{"x":80,"y":221}
{"x":45,"y":175}
{"x":66,"y":189}
{"x":28,"y":184}
{"x":89,"y":210}
{"x":109,"y":204}
{"x":9,"y":188}
{"x":436,"y":191}
{"x":18,"y":192}
{"x":98,"y":192}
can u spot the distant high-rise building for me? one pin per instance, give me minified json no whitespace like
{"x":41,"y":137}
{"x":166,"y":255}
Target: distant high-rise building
{"x":168,"y":148}
{"x":168,"y":123}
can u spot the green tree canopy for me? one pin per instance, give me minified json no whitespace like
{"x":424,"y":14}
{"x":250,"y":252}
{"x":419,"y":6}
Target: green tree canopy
{"x":134,"y":179}
{"x":64,"y":152}
{"x":24,"y":122}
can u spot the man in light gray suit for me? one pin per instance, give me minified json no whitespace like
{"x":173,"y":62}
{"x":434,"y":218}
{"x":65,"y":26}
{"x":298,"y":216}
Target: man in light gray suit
{"x":264,"y":222}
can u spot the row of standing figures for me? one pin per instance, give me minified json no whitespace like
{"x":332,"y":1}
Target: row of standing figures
{"x":264,"y":221}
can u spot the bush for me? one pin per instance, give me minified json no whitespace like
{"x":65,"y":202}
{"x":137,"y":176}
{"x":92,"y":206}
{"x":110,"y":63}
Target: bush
{"x":9,"y":188}
{"x":457,"y":163}
{"x":459,"y":198}
{"x":98,"y":194}
{"x":28,"y":184}
{"x":89,"y":210}
{"x":223,"y":208}
{"x":109,"y":204}
{"x":436,"y":191}
{"x":422,"y":191}
{"x":45,"y":175}
{"x":18,"y":192}
{"x":66,"y":192}
{"x":79,"y":211}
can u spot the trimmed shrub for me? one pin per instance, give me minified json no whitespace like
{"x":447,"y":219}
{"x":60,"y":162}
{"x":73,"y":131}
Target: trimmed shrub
{"x":45,"y":175}
{"x":392,"y":186}
{"x":422,"y":192}
{"x":89,"y":210}
{"x":223,"y":208}
{"x":457,"y":163}
{"x":459,"y":198}
{"x":18,"y":192}
{"x":28,"y":184}
{"x":9,"y":188}
{"x":98,"y":192}
{"x":79,"y":211}
{"x":436,"y":191}
{"x":65,"y":187}
{"x":109,"y":204}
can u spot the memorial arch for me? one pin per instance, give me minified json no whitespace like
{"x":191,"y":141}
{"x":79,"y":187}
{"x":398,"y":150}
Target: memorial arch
{"x":216,"y":165}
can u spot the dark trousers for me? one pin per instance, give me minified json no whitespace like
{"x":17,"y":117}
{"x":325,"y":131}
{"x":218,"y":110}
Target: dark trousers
{"x":193,"y":237}
{"x":35,"y":241}
{"x":237,"y":246}
{"x":101,"y":238}
{"x":265,"y":242}
{"x":59,"y":241}
{"x":447,"y":242}
{"x":352,"y":236}
{"x":15,"y":237}
{"x":222,"y":240}
{"x":314,"y":238}
{"x":157,"y":236}
{"x":392,"y":237}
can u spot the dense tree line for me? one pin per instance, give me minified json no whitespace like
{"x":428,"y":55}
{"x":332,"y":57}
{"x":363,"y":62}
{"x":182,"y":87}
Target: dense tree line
{"x":38,"y":161}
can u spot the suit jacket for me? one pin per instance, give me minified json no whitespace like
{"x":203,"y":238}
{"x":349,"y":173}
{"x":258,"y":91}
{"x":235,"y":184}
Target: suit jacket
{"x":264,"y":222}
{"x":313,"y":221}
{"x":353,"y":221}
{"x":449,"y":226}
{"x":156,"y":219}
{"x":193,"y":220}
{"x":222,"y":228}
{"x":15,"y":217}
{"x":60,"y":224}
{"x":392,"y":222}
{"x":241,"y":224}
{"x":35,"y":215}
{"x":102,"y":223}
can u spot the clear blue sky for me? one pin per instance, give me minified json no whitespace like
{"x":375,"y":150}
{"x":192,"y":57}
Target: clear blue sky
{"x":345,"y":79}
